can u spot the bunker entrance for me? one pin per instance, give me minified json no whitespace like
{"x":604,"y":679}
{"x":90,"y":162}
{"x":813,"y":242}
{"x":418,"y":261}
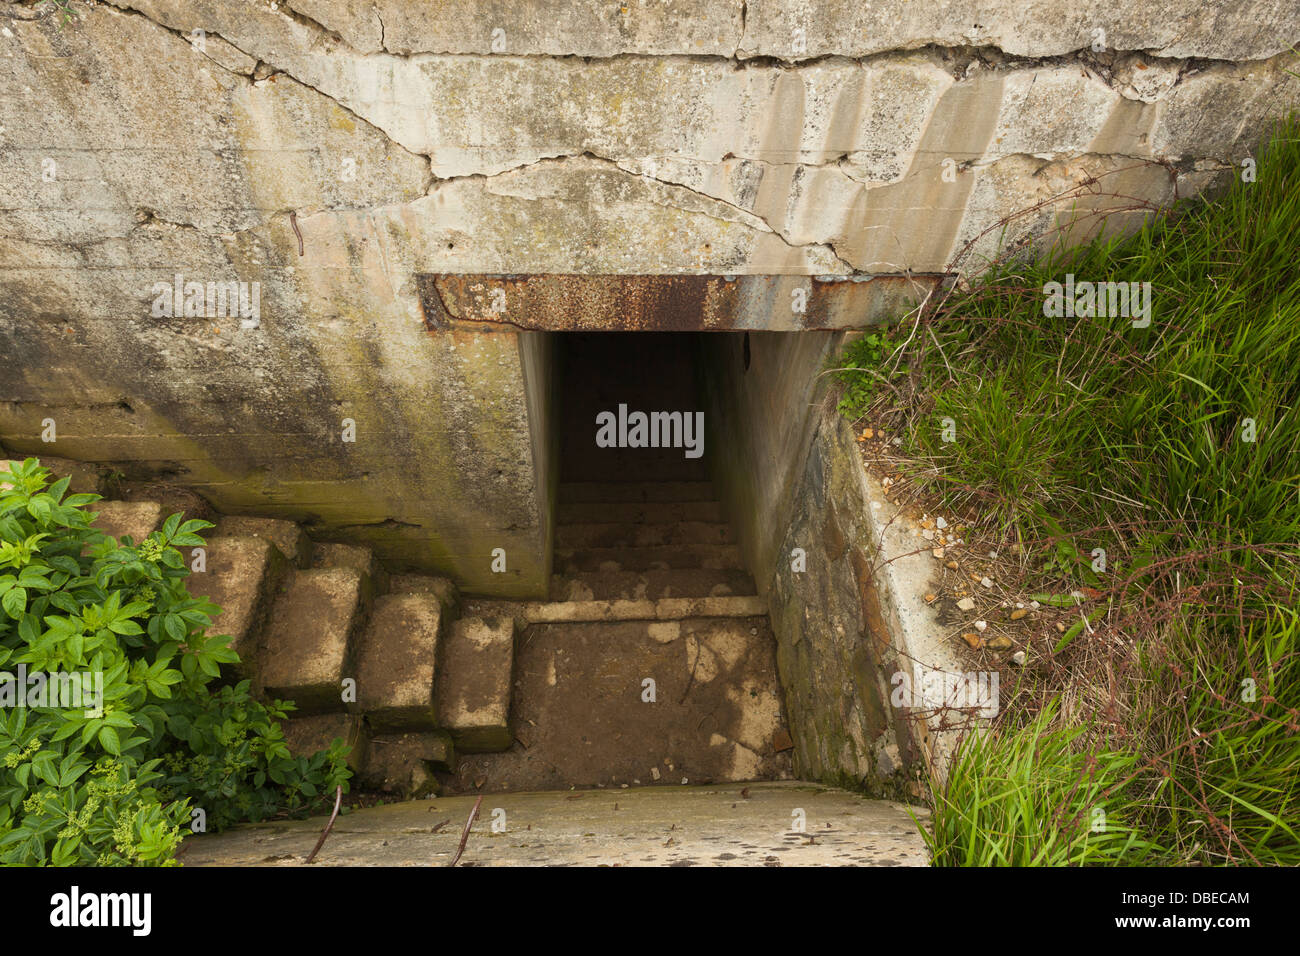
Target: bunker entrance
{"x":653,"y":661}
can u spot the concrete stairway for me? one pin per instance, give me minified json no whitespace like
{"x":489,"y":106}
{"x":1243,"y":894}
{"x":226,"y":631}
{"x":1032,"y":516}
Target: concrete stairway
{"x":359,"y":653}
{"x":644,"y":540}
{"x":433,"y":692}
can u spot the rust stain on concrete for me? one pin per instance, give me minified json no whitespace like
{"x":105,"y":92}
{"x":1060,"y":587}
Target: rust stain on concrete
{"x":667,"y":303}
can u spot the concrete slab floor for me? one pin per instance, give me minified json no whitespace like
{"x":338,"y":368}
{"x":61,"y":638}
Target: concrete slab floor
{"x":580,"y":719}
{"x":761,"y":824}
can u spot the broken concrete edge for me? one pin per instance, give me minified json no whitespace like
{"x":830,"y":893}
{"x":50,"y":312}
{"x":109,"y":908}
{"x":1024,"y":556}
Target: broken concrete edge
{"x":791,"y":31}
{"x":900,"y":577}
{"x":406,"y":763}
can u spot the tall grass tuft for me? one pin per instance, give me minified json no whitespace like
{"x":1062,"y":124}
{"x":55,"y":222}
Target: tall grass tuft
{"x":1035,"y":798}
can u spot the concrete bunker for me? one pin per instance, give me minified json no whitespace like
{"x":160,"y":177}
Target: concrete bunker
{"x":744,"y":574}
{"x":770,"y":510}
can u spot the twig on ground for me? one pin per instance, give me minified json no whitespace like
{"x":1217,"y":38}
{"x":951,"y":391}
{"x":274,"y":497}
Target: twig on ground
{"x":338,"y":802}
{"x":464,"y":836}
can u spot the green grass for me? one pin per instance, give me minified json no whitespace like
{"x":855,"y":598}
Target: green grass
{"x":1035,"y":799}
{"x":1078,"y":433}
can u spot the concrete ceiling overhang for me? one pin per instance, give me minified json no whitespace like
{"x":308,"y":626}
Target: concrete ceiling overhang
{"x":668,"y":303}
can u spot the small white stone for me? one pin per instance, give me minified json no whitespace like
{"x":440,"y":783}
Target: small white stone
{"x":940,"y":522}
{"x":927,"y":534}
{"x":1034,"y":605}
{"x":981,"y":625}
{"x":684,"y":781}
{"x":993,"y":554}
{"x":1019,"y":605}
{"x":654,"y":772}
{"x":966,"y":604}
{"x":986,"y":581}
{"x":1018,"y":658}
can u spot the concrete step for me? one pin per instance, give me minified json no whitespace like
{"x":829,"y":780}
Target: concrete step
{"x":618,"y":535}
{"x":134,"y":519}
{"x":664,"y":609}
{"x":755,"y":824}
{"x":579,"y":560}
{"x":447,"y":592}
{"x":332,"y":554}
{"x":589,"y":491}
{"x":638,"y":512}
{"x":397,"y":656}
{"x":242,"y":575}
{"x":651,"y":585}
{"x":474,"y":682}
{"x":288,"y":536}
{"x":308,"y":648}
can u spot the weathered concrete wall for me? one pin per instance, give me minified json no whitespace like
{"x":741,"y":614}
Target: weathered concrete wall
{"x":336,"y":152}
{"x":836,"y":650}
{"x":764,"y":416}
{"x":792,"y":480}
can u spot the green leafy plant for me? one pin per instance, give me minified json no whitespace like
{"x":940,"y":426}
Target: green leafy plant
{"x":111,"y":775}
{"x":860,"y":368}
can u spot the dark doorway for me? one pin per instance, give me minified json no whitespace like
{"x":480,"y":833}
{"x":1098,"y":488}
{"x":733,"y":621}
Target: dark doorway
{"x":646,"y":372}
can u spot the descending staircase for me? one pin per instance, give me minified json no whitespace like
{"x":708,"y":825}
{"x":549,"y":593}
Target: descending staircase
{"x":324,"y":625}
{"x":509,"y":695}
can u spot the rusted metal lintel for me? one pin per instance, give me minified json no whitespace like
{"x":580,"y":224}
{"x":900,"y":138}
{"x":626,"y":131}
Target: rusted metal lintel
{"x":668,"y":303}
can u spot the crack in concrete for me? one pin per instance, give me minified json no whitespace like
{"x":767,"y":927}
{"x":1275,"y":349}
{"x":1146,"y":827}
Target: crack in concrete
{"x":749,"y":218}
{"x":127,"y":10}
{"x":750,"y":214}
{"x":988,"y":52}
{"x":303,"y":20}
{"x":959,"y":60}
